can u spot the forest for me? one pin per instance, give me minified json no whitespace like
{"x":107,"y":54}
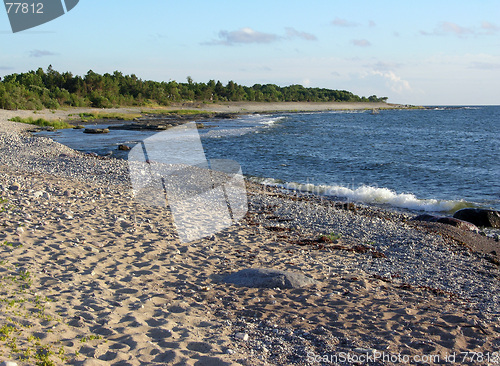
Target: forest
{"x":52,"y":89}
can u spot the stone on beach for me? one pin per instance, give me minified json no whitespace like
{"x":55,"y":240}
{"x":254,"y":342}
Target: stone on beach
{"x":15,"y":186}
{"x":479,"y":216}
{"x":461,"y":224}
{"x":268,"y":278}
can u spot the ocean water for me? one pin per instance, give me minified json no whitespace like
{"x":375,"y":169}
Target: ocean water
{"x":439,"y":159}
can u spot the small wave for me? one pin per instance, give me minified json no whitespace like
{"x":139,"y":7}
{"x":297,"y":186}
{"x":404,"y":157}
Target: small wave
{"x":375,"y":195}
{"x":271,"y":121}
{"x":227,"y":132}
{"x":249,"y":124}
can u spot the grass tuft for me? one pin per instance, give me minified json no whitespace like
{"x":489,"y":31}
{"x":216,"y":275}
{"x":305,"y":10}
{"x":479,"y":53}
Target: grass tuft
{"x":42,"y":122}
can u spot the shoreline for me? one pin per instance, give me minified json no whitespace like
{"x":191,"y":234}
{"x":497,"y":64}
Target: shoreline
{"x":70,"y":114}
{"x":116,"y":275}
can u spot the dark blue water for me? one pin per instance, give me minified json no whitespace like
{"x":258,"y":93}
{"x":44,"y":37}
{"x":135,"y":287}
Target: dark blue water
{"x":435,"y":160}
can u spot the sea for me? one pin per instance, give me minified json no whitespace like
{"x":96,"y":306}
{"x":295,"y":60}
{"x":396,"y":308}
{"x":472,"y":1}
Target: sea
{"x":438,"y":159}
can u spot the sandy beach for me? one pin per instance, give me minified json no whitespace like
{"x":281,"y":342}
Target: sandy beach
{"x":89,"y":276}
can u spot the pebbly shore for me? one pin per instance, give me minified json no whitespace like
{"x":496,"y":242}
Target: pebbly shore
{"x":114,"y":269}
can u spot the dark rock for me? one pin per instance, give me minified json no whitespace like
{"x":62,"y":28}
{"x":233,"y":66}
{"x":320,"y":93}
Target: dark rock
{"x":78,"y":127}
{"x":124,"y":147}
{"x":461,"y":224}
{"x":15,"y":187}
{"x":479,"y":216}
{"x":96,"y":130}
{"x":268,"y":278}
{"x":226,"y":115}
{"x":426,"y":217}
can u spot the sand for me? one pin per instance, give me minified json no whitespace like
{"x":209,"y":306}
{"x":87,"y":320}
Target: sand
{"x":89,"y":276}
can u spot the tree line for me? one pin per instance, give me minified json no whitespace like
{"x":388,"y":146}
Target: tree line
{"x":51,"y":89}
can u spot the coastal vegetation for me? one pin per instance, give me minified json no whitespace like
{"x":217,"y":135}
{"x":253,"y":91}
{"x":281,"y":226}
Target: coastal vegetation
{"x":57,"y":124}
{"x":52,"y":90}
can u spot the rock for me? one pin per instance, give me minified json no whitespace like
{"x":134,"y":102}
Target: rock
{"x":461,"y":224}
{"x":242,"y":336}
{"x":426,"y":217}
{"x":8,"y":363}
{"x":78,"y":127}
{"x":96,"y":130}
{"x":124,"y":147}
{"x":15,"y":186}
{"x":268,"y":278}
{"x":479,"y":216}
{"x":38,"y":194}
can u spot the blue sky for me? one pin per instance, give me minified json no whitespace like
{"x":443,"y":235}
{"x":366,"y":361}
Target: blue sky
{"x":425,"y":52}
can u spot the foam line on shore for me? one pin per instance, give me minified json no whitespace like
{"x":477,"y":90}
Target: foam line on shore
{"x":374,"y":195}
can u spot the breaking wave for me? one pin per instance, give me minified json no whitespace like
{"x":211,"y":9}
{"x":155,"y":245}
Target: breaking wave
{"x":374,"y":195}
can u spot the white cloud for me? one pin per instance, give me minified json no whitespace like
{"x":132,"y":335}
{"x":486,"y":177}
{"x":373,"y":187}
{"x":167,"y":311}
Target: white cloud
{"x":490,"y":28}
{"x":41,"y":53}
{"x":445,"y":28}
{"x":339,"y":22}
{"x":385,"y":66}
{"x":449,"y":27}
{"x":392,"y":81}
{"x":293,"y":33}
{"x":248,"y":35}
{"x":361,"y":42}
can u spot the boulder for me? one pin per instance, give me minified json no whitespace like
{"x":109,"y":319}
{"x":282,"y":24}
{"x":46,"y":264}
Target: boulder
{"x":426,"y":217}
{"x":96,"y":130}
{"x":124,"y":147}
{"x":268,"y":278}
{"x":461,"y":224}
{"x":479,"y":216}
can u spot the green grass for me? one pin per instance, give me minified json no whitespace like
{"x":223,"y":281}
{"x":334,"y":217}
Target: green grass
{"x":42,"y":122}
{"x":24,"y":310}
{"x":176,"y":111}
{"x":330,"y":237}
{"x":99,"y":115}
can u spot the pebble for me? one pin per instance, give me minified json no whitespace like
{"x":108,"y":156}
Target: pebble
{"x":8,"y":363}
{"x":15,"y":186}
{"x":242,"y":336}
{"x":38,"y":194}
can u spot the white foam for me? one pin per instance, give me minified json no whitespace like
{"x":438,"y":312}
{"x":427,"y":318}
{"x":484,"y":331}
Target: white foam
{"x":271,"y":121}
{"x":249,"y":124}
{"x":375,"y":195}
